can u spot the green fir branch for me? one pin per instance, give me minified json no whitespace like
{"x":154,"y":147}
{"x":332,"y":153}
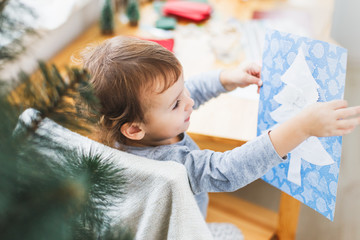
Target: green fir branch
{"x":104,"y":179}
{"x":61,"y":196}
{"x":64,"y":196}
{"x":14,"y":29}
{"x":58,"y":196}
{"x":69,"y":102}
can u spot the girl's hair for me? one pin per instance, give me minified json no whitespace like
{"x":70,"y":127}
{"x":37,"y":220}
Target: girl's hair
{"x":122,"y":69}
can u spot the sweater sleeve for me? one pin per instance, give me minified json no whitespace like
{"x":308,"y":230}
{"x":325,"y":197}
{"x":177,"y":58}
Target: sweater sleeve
{"x":211,"y":171}
{"x":203,"y":87}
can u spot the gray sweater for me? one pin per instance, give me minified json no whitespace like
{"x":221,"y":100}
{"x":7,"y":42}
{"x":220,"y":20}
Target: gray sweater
{"x":210,"y":171}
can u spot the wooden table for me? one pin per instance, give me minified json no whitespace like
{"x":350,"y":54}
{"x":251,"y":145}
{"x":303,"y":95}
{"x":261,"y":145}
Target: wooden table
{"x":229,"y":122}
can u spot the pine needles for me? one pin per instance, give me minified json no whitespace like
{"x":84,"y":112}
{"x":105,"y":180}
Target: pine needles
{"x":67,"y":100}
{"x":13,"y":30}
{"x":61,"y":196}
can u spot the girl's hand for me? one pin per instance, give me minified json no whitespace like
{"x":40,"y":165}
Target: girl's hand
{"x":241,"y":77}
{"x":320,"y":119}
{"x":333,"y":118}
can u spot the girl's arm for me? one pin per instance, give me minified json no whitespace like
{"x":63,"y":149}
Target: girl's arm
{"x":321,"y":120}
{"x":204,"y":86}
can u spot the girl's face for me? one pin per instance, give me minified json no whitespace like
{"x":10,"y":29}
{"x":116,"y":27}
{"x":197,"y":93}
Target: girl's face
{"x":167,"y":114}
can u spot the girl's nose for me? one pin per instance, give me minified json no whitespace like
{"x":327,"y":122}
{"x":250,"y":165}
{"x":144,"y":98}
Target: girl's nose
{"x":189,"y":103}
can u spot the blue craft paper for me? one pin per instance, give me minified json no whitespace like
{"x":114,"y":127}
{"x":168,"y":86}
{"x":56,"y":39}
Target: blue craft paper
{"x":327,"y":64}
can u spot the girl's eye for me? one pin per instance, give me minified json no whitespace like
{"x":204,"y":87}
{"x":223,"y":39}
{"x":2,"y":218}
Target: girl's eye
{"x":176,"y":104}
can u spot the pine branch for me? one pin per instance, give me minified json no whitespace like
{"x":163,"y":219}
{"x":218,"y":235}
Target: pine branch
{"x":2,"y":5}
{"x":104,"y":180}
{"x":14,"y":29}
{"x":64,"y":196}
{"x":69,"y":102}
{"x":58,"y":197}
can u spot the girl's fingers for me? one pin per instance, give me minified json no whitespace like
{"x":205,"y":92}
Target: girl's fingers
{"x":348,"y":123}
{"x":250,"y":79}
{"x":337,"y":104}
{"x":347,"y":112}
{"x":341,"y":132}
{"x":254,"y":68}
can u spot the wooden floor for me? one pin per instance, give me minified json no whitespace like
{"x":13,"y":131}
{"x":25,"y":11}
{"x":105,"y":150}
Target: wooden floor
{"x":255,"y":222}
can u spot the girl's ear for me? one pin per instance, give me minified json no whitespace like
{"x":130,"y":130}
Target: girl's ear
{"x":133,"y":131}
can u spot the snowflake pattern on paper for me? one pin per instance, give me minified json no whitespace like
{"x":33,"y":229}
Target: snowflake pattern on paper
{"x":327,"y":65}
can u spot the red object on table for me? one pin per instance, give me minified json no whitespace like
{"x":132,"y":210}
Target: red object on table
{"x":195,"y":11}
{"x":166,"y":43}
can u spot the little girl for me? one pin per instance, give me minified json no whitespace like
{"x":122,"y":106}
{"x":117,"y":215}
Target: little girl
{"x":146,"y":107}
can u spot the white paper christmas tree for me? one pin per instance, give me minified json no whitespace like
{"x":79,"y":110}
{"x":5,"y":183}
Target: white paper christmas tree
{"x":299,"y":92}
